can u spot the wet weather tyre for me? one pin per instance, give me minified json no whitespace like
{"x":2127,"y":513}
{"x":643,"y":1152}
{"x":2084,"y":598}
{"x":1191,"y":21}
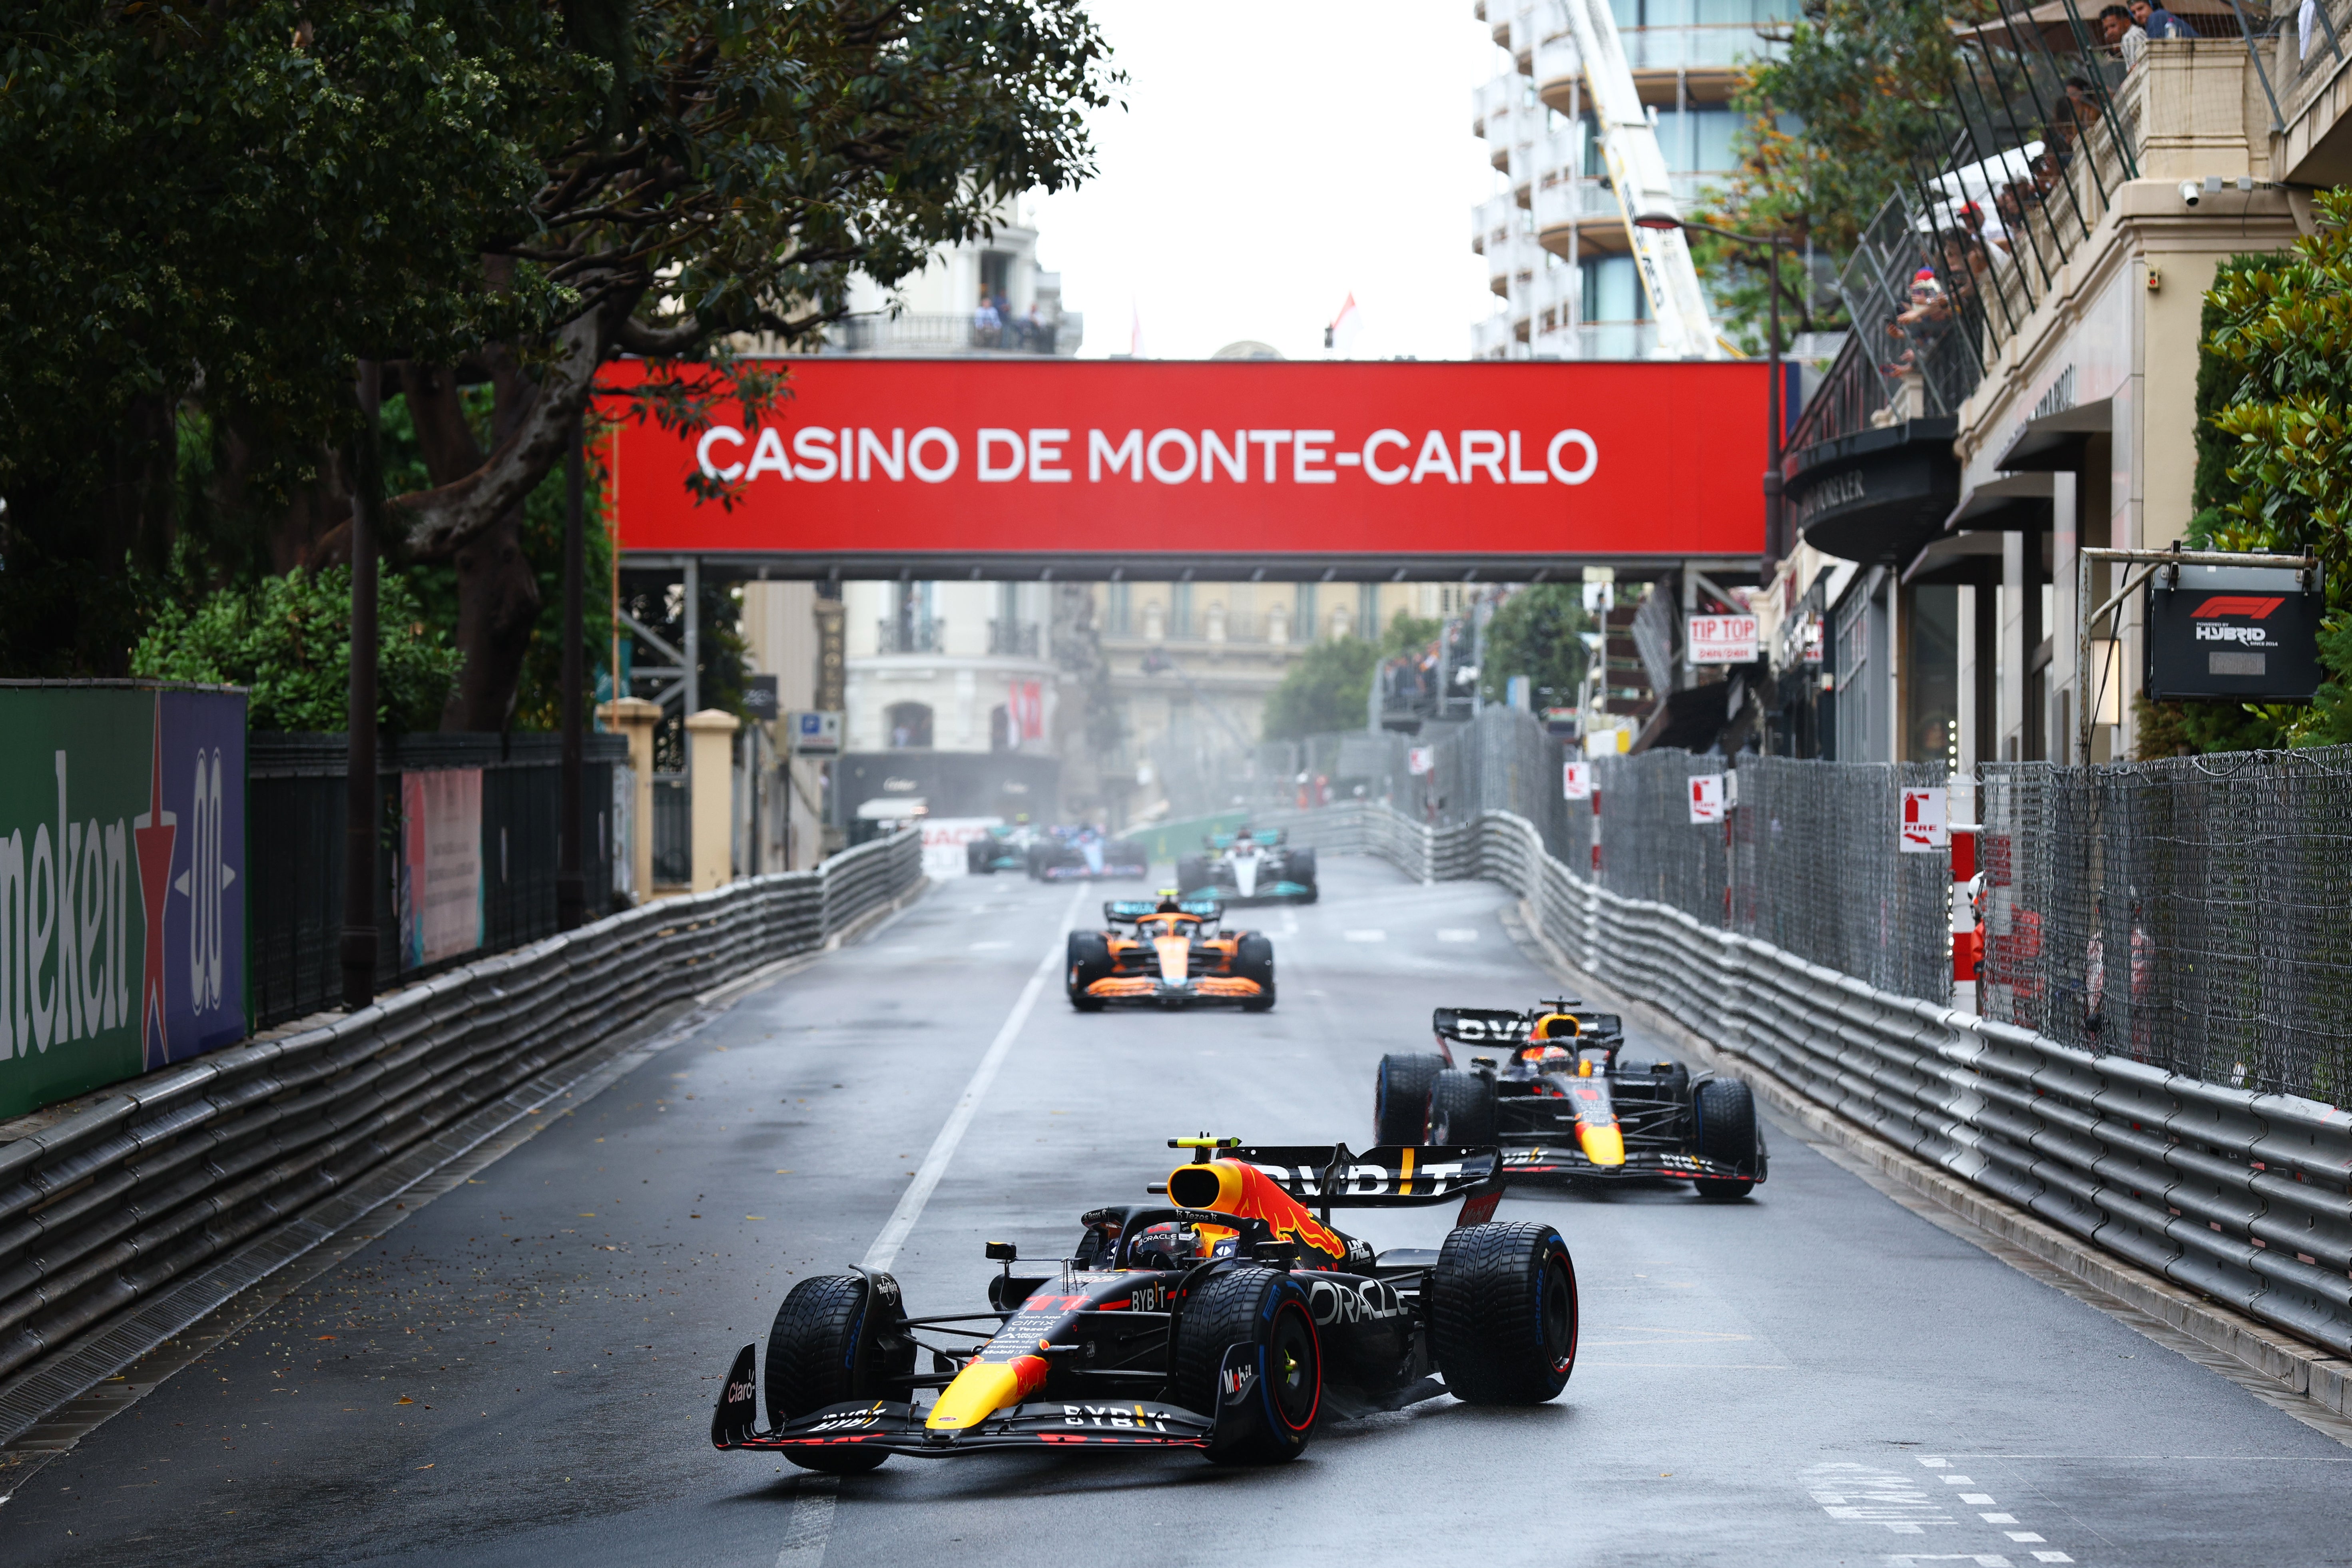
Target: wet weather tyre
{"x":1254,"y":960}
{"x":1401,"y":1090}
{"x":1723,"y":1129}
{"x":1462,"y":1109}
{"x":815,"y":1359}
{"x":1302,"y":871}
{"x":1090,"y":961}
{"x":978,"y":859}
{"x":1503,"y":1313}
{"x":1191,"y":875}
{"x":1267,"y":1311}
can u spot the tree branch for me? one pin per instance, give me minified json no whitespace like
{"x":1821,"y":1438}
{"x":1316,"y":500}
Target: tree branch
{"x":438,"y":521}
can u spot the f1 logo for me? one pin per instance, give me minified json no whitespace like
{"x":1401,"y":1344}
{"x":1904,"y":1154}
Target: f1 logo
{"x":2252,"y":607}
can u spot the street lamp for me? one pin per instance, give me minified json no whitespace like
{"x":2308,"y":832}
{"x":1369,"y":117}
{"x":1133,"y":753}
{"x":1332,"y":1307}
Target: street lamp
{"x":1665,"y":220}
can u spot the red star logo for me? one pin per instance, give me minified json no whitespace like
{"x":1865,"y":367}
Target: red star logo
{"x":154,"y":834}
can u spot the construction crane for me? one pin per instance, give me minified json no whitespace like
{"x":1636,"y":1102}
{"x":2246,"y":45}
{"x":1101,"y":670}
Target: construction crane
{"x":1645,"y":196}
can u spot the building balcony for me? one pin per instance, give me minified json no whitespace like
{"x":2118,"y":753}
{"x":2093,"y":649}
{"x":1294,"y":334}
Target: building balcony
{"x":1587,"y":206}
{"x":1014,"y":639}
{"x":1499,"y":337}
{"x":911,"y":333}
{"x":1705,"y":62}
{"x":1498,"y":108}
{"x":929,"y":635}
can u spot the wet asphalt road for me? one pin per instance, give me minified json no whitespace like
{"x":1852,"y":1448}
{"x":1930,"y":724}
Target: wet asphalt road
{"x":522,"y":1372}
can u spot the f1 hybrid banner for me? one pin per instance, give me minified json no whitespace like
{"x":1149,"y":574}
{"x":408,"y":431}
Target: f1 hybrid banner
{"x":1211,"y":460}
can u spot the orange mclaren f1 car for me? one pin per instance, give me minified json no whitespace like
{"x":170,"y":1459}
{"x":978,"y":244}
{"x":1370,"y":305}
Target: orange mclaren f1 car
{"x":1171,"y":952}
{"x":1216,"y":1318}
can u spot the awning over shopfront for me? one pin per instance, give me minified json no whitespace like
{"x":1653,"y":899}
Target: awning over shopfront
{"x":2053,"y":443}
{"x":2009,"y":503}
{"x":1875,"y":496}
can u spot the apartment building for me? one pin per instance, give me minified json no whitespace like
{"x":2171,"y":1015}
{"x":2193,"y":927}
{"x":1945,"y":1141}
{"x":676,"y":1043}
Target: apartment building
{"x":2020,"y":384}
{"x":1557,"y":253}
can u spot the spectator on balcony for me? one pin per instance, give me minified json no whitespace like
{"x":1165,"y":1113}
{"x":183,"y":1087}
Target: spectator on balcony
{"x":2156,"y":22}
{"x":987,"y":323}
{"x":2123,"y":35}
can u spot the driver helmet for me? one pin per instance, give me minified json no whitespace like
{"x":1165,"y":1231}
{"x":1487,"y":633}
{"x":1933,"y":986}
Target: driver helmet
{"x":1168,"y":902}
{"x":1168,"y":1244}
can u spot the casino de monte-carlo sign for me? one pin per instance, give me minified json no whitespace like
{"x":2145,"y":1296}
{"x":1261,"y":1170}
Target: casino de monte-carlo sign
{"x":121,"y":883}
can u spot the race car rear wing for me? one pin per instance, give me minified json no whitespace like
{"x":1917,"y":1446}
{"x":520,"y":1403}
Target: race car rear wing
{"x":1394,"y":1175}
{"x":1118,"y":911}
{"x":1502,"y":1027}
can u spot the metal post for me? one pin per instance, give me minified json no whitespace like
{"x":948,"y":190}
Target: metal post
{"x":358,"y":949}
{"x":1774,"y":546}
{"x":571,"y":887}
{"x":693,"y":633}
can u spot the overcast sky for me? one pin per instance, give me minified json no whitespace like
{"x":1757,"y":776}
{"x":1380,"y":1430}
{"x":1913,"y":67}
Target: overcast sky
{"x":1273,"y":157}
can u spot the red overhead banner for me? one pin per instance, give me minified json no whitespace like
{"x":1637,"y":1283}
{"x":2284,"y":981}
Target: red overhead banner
{"x":1218,"y":459}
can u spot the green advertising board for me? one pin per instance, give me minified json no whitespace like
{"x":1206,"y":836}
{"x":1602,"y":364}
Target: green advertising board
{"x":122,"y":931}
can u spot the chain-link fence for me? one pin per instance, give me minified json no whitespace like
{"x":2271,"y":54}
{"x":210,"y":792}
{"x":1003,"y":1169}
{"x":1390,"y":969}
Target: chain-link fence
{"x":2194,"y":913}
{"x":1817,"y":870}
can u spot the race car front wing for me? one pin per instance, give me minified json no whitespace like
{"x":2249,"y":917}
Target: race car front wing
{"x":1558,"y":1160}
{"x":897,"y":1427}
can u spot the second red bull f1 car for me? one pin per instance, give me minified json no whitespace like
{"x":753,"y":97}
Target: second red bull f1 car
{"x":1561,"y":1103}
{"x":1170,"y":952}
{"x":1218,"y":1318}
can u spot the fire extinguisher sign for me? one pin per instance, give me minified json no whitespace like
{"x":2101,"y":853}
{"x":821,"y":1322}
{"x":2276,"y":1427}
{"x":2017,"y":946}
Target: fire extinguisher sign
{"x":1925,"y":827}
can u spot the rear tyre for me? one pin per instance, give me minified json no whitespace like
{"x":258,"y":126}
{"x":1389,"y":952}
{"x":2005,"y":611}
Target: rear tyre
{"x":1191,"y":875}
{"x":1462,"y":1109}
{"x":1090,"y":961}
{"x":1503,"y":1313}
{"x":1266,"y":1311}
{"x":978,"y":857}
{"x":1723,"y":1128}
{"x":1400,"y":1091}
{"x":1302,"y":870}
{"x":1254,"y":960}
{"x":821,"y":1352}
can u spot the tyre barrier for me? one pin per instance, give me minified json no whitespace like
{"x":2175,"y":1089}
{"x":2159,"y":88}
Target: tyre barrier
{"x":111,"y":1199}
{"x":2243,"y":1197}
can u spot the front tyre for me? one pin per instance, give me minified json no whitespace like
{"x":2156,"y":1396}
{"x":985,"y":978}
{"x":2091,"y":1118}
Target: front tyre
{"x":1254,"y":960}
{"x":1264,"y":1311}
{"x":1723,"y":1131}
{"x":1088,"y":960}
{"x":1400,"y":1091}
{"x":1503,"y":1313}
{"x":1462,"y":1109}
{"x":821,"y":1352}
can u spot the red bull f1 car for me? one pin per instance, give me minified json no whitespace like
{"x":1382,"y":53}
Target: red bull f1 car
{"x":1245,"y":867}
{"x":1558,"y":1101}
{"x":1170,"y":952}
{"x":1222,"y":1317}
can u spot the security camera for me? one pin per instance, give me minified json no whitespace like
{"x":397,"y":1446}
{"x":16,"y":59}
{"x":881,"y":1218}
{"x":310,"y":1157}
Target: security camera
{"x":2190,"y":193}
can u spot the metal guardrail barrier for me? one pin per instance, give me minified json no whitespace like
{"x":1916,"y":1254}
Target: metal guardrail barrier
{"x":109,"y":1203}
{"x":2242,"y":1195}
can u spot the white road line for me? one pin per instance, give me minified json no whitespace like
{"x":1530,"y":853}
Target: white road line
{"x":811,"y":1523}
{"x":884,"y":1250}
{"x":1368,"y":936}
{"x":1457,"y":934}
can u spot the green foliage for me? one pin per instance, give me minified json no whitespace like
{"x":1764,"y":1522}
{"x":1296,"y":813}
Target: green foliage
{"x":1537,"y":632}
{"x":2274,"y":456}
{"x":1831,"y":130}
{"x":288,"y":640}
{"x":1331,"y":688}
{"x":248,"y":197}
{"x":1326,"y":691}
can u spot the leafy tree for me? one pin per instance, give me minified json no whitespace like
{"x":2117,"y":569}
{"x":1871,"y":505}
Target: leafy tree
{"x":1538,"y":632}
{"x":1831,"y":130}
{"x":242,"y":199}
{"x":2274,"y":470}
{"x":1330,"y":689}
{"x":288,"y":640}
{"x":237,"y":202}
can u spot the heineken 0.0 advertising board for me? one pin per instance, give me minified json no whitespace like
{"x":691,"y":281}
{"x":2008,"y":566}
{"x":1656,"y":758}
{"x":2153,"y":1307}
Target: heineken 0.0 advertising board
{"x":121,"y":884}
